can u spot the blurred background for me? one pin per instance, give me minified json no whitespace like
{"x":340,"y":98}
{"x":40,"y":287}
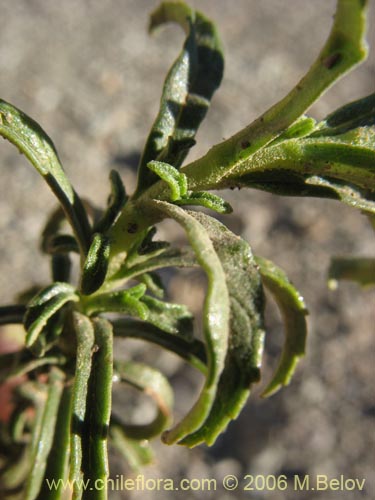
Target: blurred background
{"x":91,"y":76}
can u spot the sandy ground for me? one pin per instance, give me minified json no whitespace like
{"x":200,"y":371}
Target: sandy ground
{"x":88,"y":72}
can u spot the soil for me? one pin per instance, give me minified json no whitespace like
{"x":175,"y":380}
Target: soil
{"x":90,"y":75}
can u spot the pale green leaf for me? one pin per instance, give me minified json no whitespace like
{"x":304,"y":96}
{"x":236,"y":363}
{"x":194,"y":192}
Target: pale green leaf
{"x":293,"y":309}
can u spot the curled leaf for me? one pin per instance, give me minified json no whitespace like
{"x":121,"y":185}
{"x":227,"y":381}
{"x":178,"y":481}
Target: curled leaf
{"x":34,"y":143}
{"x":215,"y":322}
{"x":246,"y":336}
{"x":153,"y":384}
{"x":187,"y":92}
{"x":293,"y":309}
{"x":177,"y":182}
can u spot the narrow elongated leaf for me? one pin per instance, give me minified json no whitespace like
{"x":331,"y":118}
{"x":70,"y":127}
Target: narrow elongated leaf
{"x":34,"y":143}
{"x":191,"y":350}
{"x":215,"y":322}
{"x":187,"y":92}
{"x":293,"y":309}
{"x":58,"y":459}
{"x":98,"y":410}
{"x":43,"y":306}
{"x":45,"y":438}
{"x":85,"y":345}
{"x":155,"y":385}
{"x":246,"y":338}
{"x":358,"y":269}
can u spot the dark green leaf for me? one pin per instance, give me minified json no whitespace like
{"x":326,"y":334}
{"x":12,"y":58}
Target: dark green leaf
{"x":293,"y":309}
{"x":358,"y":269}
{"x":149,"y":247}
{"x":116,"y":202}
{"x":85,"y":346}
{"x":96,"y":264}
{"x":246,"y":338}
{"x":43,"y":306}
{"x":155,"y":385}
{"x":357,"y":114}
{"x":192,"y":350}
{"x":187,"y":92}
{"x":34,"y":143}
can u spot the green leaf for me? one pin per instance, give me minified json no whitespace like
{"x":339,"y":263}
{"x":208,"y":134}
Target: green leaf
{"x":149,"y":247}
{"x":116,"y":201}
{"x":215,"y":318}
{"x":177,"y":182}
{"x":125,"y":301}
{"x":207,"y":200}
{"x":58,"y":459}
{"x":153,"y":283}
{"x":169,"y":317}
{"x":187,"y":92}
{"x":98,"y":409}
{"x":190,"y":349}
{"x":155,"y":385}
{"x":246,"y":338}
{"x":344,"y":48}
{"x":358,"y":269}
{"x":96,"y":264}
{"x":357,"y":114}
{"x":174,"y":257}
{"x":34,"y":143}
{"x":85,"y":346}
{"x":44,"y":306}
{"x":45,"y":439}
{"x":293,"y":309}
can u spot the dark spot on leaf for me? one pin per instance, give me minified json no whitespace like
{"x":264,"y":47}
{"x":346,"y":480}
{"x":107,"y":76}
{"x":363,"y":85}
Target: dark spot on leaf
{"x":245,"y":144}
{"x":332,"y":60}
{"x":132,"y":227}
